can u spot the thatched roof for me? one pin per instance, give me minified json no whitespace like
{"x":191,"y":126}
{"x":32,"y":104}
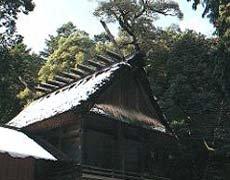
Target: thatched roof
{"x":66,"y":98}
{"x":79,"y":92}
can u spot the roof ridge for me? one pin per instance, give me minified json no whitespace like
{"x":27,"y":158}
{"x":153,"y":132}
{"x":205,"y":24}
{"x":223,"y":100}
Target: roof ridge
{"x":83,"y":69}
{"x":74,"y":95}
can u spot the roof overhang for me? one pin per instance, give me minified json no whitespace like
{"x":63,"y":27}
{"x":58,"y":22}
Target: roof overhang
{"x":18,"y":145}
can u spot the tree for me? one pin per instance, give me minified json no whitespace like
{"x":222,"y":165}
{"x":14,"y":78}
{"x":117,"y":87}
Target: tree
{"x":8,"y":16}
{"x":52,"y":42}
{"x":223,"y":52}
{"x":217,"y":11}
{"x":70,"y":47}
{"x":136,"y":17}
{"x":17,"y":74}
{"x":211,"y":8}
{"x":182,"y":76}
{"x":18,"y":66}
{"x":101,"y":38}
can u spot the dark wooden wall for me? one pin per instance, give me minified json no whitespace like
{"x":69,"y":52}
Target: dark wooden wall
{"x":112,"y":144}
{"x":16,"y":168}
{"x":66,"y":140}
{"x":127,"y":99}
{"x":103,"y":142}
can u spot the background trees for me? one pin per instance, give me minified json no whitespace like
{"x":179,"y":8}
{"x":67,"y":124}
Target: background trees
{"x":70,"y":47}
{"x":9,"y":12}
{"x":219,"y":14}
{"x":17,"y":79}
{"x":19,"y":66}
{"x":136,"y":17}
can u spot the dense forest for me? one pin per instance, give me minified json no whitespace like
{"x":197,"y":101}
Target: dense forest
{"x":189,"y":73}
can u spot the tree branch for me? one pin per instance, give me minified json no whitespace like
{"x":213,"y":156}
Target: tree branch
{"x":128,"y":28}
{"x":165,"y":13}
{"x":24,"y":83}
{"x":142,"y":11}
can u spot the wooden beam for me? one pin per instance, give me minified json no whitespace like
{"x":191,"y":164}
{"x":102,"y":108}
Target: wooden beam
{"x":116,"y":57}
{"x":62,"y":79}
{"x":79,"y":72}
{"x":70,"y":75}
{"x":56,"y":83}
{"x":96,"y":64}
{"x":43,"y":90}
{"x":48,"y":86}
{"x":86,"y":68}
{"x":104,"y":59}
{"x":111,"y":37}
{"x":73,"y":133}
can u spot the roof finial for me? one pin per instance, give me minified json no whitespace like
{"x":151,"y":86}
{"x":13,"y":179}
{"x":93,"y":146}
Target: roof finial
{"x":111,"y":37}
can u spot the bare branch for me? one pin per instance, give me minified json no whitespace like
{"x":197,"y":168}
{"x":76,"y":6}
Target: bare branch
{"x":165,"y":13}
{"x":24,"y":83}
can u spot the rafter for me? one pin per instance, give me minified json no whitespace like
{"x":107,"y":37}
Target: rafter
{"x":116,"y":57}
{"x":70,"y":75}
{"x":104,"y":59}
{"x":82,"y":70}
{"x":48,"y":86}
{"x":86,"y":68}
{"x":96,"y":64}
{"x":62,"y":79}
{"x":42,"y":89}
{"x":79,"y":72}
{"x":56,"y":83}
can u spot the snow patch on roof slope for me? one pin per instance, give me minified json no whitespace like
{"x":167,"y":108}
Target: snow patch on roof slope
{"x":63,"y":99}
{"x":19,"y":145}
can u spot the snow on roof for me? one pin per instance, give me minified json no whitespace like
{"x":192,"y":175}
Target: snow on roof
{"x":63,"y":99}
{"x":19,"y":145}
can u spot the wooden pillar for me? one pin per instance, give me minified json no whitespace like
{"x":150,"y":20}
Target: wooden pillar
{"x":120,"y":149}
{"x":142,"y":151}
{"x":113,"y":150}
{"x":122,"y":146}
{"x":82,"y":141}
{"x":60,"y":139}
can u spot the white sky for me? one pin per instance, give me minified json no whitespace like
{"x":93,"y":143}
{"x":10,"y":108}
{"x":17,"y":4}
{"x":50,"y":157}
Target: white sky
{"x":48,"y":15}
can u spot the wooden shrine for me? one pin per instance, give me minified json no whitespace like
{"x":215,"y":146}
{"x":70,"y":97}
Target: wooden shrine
{"x":103,"y":118}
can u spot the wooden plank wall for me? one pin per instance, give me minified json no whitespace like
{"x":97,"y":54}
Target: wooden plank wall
{"x":16,"y":168}
{"x":115,"y":145}
{"x":126,"y":99}
{"x":65,"y":139}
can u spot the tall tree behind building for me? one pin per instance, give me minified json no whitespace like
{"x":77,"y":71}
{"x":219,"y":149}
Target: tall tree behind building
{"x":17,"y":77}
{"x":18,"y":66}
{"x":9,"y":11}
{"x":64,"y":51}
{"x":136,"y":17}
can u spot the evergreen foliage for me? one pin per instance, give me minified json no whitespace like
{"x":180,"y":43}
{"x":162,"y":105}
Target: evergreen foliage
{"x":9,"y":11}
{"x":70,"y":47}
{"x":17,"y":75}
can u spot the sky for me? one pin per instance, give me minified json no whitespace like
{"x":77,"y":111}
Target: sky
{"x":48,"y":15}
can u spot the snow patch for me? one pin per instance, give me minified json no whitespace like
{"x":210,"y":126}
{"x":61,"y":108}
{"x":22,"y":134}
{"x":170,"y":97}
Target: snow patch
{"x":19,"y":145}
{"x":63,"y":99}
